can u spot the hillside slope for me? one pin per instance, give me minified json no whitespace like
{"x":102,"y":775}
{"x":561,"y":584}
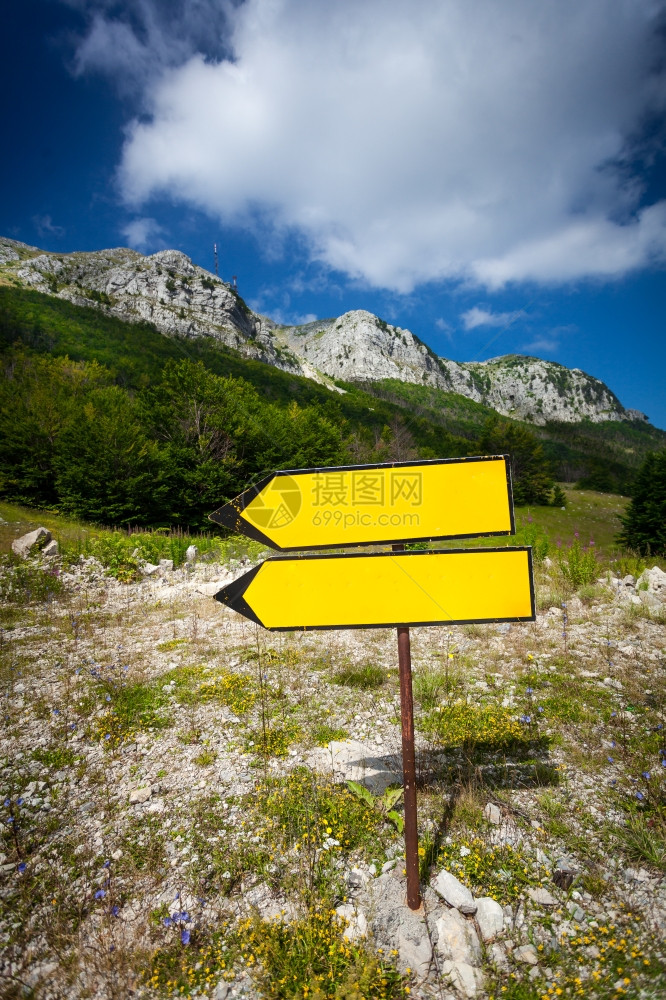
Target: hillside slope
{"x":181,"y":299}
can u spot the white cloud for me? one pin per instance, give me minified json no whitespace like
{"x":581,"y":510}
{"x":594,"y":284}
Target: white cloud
{"x":143,"y":234}
{"x":46,"y":227}
{"x":476,"y":317}
{"x":544,"y":344}
{"x":412,"y":142}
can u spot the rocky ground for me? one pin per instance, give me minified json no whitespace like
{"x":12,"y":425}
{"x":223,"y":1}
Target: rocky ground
{"x":176,"y":820}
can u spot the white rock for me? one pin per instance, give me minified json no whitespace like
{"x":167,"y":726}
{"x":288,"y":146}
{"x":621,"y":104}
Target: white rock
{"x":22,"y":546}
{"x":527,"y":954}
{"x":191,"y":553}
{"x":489,"y":917}
{"x":50,"y":549}
{"x":454,"y":892}
{"x":166,"y":565}
{"x":466,"y":978}
{"x":149,"y":569}
{"x":493,"y":814}
{"x":357,"y":925}
{"x":457,"y":941}
{"x":541,"y":897}
{"x":139,"y":795}
{"x":353,"y":761}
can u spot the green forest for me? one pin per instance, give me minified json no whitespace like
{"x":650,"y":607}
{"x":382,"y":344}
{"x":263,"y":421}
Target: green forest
{"x":119,"y":424}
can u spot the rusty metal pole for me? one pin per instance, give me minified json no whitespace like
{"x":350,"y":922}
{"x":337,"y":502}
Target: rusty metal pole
{"x":408,"y":764}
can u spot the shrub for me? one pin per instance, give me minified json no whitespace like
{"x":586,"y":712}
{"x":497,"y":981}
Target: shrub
{"x":578,"y":563}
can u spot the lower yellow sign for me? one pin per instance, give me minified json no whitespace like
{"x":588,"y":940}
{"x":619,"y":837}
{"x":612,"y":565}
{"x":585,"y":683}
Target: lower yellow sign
{"x":386,"y":588}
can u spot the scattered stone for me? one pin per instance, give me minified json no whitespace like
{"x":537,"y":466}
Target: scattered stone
{"x":489,"y":918}
{"x":191,"y":553}
{"x":388,"y":866}
{"x":541,"y":897}
{"x":466,"y":978}
{"x":149,"y":569}
{"x":454,"y":892}
{"x":140,"y":795}
{"x":50,"y":550}
{"x":655,"y":579}
{"x":221,"y":990}
{"x":493,"y":814}
{"x":457,"y":941}
{"x":527,"y":953}
{"x":357,"y":925}
{"x":22,"y":546}
{"x":576,"y":912}
{"x":166,"y":565}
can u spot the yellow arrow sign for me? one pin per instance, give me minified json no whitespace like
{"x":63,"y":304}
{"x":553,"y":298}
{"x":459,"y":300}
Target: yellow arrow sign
{"x":382,"y":589}
{"x":366,"y":504}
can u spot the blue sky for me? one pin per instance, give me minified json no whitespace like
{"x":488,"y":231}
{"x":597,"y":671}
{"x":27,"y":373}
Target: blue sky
{"x":491,"y":176}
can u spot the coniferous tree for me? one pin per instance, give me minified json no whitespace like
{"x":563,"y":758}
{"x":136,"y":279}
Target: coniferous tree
{"x":530,"y":469}
{"x":644,"y":522}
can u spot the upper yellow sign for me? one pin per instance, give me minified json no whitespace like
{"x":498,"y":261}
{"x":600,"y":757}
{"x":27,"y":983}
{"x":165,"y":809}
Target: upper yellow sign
{"x":370,"y":504}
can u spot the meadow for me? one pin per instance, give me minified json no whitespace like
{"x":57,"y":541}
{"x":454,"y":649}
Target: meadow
{"x":170,"y":827}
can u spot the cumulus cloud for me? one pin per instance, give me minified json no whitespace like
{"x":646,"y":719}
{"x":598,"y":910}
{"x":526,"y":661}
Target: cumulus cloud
{"x":144,"y":234}
{"x":411,"y":142}
{"x":476,"y":317}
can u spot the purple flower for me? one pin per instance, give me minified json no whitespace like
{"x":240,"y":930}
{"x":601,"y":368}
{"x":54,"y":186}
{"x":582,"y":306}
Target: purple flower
{"x":22,"y":866}
{"x":19,"y":802}
{"x":529,"y":691}
{"x":115,"y":910}
{"x":184,"y":916}
{"x":167,"y":921}
{"x":576,"y":535}
{"x":56,"y":711}
{"x":7,"y":802}
{"x":526,"y":718}
{"x":108,"y":736}
{"x":540,"y":708}
{"x":610,"y":759}
{"x":639,"y":795}
{"x":108,"y":697}
{"x":613,"y":714}
{"x":646,"y":775}
{"x":185,"y":936}
{"x":591,"y":542}
{"x":106,"y":863}
{"x":100,"y":894}
{"x":612,"y":743}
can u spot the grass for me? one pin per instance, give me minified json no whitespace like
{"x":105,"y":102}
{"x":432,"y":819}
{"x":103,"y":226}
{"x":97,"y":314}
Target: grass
{"x":367,"y":677}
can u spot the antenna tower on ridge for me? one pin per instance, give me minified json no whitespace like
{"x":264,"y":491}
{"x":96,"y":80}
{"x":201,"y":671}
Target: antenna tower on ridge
{"x":234,"y":285}
{"x":217,"y":275}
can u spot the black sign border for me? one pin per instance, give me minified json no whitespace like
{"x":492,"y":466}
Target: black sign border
{"x":230,"y":515}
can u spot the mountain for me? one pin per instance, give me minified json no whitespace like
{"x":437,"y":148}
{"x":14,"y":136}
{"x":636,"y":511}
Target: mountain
{"x":181,"y":299}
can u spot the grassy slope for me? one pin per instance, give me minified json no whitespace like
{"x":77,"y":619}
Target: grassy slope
{"x":136,"y":354}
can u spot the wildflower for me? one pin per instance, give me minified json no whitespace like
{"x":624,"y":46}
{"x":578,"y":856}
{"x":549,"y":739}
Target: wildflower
{"x":646,"y":775}
{"x":526,"y":718}
{"x":100,"y":894}
{"x":114,"y":911}
{"x":185,"y":936}
{"x":22,"y":866}
{"x":540,"y":708}
{"x":56,"y":711}
{"x":19,"y":801}
{"x":106,"y":863}
{"x":640,"y":796}
{"x":167,"y":922}
{"x":611,"y":761}
{"x":108,"y":697}
{"x":529,"y":691}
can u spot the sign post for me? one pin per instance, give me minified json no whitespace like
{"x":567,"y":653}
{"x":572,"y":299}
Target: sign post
{"x":306,"y":509}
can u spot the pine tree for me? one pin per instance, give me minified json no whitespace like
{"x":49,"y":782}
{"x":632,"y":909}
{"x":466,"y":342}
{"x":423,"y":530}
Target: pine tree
{"x":644,"y":522}
{"x":559,"y":497}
